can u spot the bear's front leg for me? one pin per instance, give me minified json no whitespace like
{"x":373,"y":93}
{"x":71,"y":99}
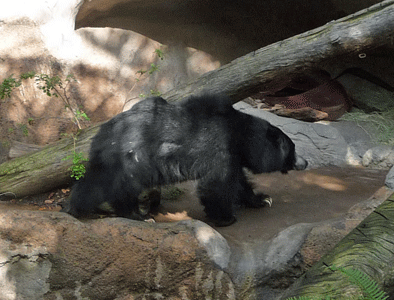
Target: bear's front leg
{"x":219,"y":198}
{"x":249,"y":198}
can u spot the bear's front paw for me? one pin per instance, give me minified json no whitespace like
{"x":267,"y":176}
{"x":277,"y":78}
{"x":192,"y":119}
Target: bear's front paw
{"x":267,"y":201}
{"x":260,"y":200}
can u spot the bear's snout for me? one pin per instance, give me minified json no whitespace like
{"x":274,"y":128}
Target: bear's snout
{"x":300,"y":163}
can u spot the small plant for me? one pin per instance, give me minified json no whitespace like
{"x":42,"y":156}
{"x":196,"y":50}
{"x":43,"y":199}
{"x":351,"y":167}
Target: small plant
{"x":81,"y":115}
{"x":77,"y":168}
{"x":51,"y":86}
{"x":54,"y":86}
{"x":152,"y":93}
{"x":24,"y":129}
{"x":155,"y":93}
{"x":369,"y":287}
{"x":159,"y":54}
{"x":28,"y":75}
{"x":30,"y":121}
{"x":7,"y":86}
{"x":10,"y":83}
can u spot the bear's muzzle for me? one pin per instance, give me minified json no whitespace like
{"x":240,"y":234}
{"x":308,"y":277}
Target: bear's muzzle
{"x":300,"y":163}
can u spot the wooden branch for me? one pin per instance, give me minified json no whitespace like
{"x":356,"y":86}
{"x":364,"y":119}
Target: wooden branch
{"x":265,"y":69}
{"x":44,"y":169}
{"x":368,"y":248}
{"x":271,"y":67}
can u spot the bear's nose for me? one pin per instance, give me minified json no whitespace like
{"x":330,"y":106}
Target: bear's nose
{"x":300,"y":163}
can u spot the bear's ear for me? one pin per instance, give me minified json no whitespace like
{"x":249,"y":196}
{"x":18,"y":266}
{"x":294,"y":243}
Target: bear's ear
{"x":273,"y":134}
{"x":286,"y":154}
{"x":286,"y":150}
{"x":278,"y":139}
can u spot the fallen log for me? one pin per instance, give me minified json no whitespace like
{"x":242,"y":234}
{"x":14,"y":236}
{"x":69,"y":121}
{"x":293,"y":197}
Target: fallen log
{"x":367,"y":250}
{"x":19,"y":149}
{"x":268,"y":68}
{"x":42,"y":170}
{"x":272,"y":67}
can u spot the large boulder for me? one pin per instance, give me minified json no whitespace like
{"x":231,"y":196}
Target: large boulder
{"x":50,"y":255}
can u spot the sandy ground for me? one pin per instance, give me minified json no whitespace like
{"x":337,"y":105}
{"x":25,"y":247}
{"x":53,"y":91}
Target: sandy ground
{"x":298,"y":197}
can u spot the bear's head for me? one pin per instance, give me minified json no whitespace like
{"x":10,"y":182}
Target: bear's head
{"x":269,"y":149}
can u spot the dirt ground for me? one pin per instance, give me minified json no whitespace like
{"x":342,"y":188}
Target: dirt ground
{"x":298,"y":197}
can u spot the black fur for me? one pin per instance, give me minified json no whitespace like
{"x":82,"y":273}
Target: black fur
{"x":156,"y":143}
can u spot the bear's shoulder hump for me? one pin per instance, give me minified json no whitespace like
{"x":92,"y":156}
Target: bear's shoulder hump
{"x":149,"y":104}
{"x":209,"y":104}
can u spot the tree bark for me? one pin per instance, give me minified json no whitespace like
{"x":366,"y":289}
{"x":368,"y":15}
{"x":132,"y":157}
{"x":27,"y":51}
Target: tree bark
{"x":368,"y":248}
{"x":42,"y":170}
{"x":265,"y":69}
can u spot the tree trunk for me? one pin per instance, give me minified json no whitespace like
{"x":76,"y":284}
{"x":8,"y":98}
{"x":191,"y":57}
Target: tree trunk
{"x":265,"y":69}
{"x":368,"y":248}
{"x":273,"y":66}
{"x":43,"y":170}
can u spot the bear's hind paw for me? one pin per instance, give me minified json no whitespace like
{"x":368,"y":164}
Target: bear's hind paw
{"x":224,"y":223}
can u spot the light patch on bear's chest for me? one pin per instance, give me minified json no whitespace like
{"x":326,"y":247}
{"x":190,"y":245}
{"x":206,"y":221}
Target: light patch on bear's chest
{"x":168,"y":148}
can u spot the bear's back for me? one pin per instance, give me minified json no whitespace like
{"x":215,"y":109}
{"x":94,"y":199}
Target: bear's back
{"x":207,"y":105}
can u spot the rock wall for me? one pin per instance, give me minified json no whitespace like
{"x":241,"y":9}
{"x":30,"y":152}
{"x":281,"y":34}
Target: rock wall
{"x":41,"y":37}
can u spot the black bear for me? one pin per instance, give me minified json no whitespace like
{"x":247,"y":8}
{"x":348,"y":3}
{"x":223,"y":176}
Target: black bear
{"x":201,"y":137}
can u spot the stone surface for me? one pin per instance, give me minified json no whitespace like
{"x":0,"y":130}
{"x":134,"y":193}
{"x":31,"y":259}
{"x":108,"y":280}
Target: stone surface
{"x":54,"y":256}
{"x":357,"y":138}
{"x":379,"y":157}
{"x":390,"y":179}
